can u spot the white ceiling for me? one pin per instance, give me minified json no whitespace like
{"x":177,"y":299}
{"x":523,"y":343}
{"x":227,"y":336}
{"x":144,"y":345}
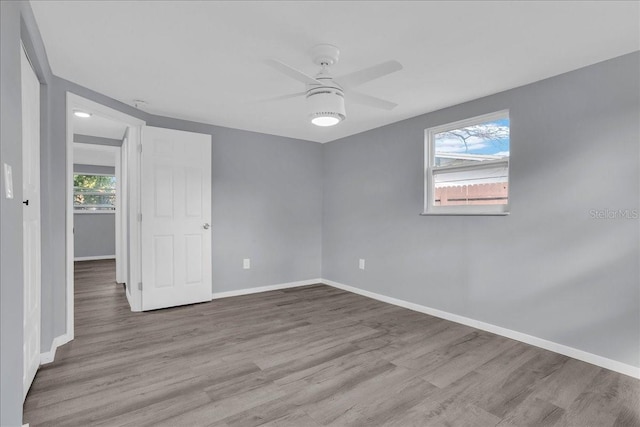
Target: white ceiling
{"x":203,"y":61}
{"x":98,"y":126}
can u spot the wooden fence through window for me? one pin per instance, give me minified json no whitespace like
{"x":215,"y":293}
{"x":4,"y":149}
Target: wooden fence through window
{"x":476,"y":194}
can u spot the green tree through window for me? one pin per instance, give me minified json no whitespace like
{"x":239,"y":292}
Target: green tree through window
{"x":94,"y":192}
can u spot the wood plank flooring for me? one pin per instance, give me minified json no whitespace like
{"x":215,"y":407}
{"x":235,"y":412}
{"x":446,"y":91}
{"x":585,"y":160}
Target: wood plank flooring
{"x":308,"y":356}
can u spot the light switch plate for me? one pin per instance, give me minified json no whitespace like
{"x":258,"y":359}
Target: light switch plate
{"x":8,"y":182}
{"x":246,"y":263}
{"x":361,"y":264}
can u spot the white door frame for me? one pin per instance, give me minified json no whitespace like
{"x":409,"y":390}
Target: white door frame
{"x":121,"y":209}
{"x":31,"y":191}
{"x":135,"y":126}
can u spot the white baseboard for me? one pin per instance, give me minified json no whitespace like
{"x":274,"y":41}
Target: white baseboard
{"x":94,"y":258}
{"x":575,"y":353}
{"x":49,"y":356}
{"x":135,"y":307}
{"x":227,"y":294}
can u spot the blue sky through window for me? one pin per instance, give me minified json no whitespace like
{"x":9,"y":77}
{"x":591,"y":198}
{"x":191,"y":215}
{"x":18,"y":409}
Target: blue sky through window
{"x":489,"y":138}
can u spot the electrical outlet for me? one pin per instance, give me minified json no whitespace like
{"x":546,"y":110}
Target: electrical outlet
{"x":361,"y":264}
{"x":246,"y":263}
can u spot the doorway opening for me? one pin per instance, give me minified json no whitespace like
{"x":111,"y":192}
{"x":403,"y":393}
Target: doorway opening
{"x":102,"y":171}
{"x":95,"y":185}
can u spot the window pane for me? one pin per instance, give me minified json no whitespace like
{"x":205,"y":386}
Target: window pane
{"x":450,"y":193}
{"x":481,"y":186}
{"x":472,"y":144}
{"x":94,"y":192}
{"x":469,"y":165}
{"x":94,"y":199}
{"x":96,"y":182}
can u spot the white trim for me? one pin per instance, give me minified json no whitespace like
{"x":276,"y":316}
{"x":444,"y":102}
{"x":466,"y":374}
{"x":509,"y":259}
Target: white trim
{"x":575,"y":353}
{"x":447,"y":169}
{"x":69,"y":222}
{"x":49,"y":356}
{"x":94,"y":258}
{"x":468,"y":210}
{"x":95,"y":174}
{"x":132,"y":193}
{"x":132,"y":302}
{"x":81,"y":212}
{"x":121,"y":219}
{"x":77,"y":102}
{"x":248,"y":291}
{"x":117,"y":218}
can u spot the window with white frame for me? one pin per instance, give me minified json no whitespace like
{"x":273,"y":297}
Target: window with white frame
{"x":467,"y":166}
{"x":94,"y":193}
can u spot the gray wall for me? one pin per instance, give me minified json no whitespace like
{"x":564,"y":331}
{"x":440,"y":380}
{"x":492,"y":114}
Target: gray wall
{"x":94,"y":234}
{"x":549,"y":269}
{"x":16,"y":23}
{"x":266,"y":206}
{"x":11,"y":301}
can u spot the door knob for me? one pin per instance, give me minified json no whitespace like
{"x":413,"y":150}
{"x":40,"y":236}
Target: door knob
{"x":206,"y":226}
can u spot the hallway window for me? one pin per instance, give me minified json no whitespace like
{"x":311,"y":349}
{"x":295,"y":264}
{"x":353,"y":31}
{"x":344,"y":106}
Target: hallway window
{"x":93,"y":193}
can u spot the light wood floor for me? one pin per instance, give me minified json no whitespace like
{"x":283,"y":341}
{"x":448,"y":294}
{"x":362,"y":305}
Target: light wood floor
{"x":306,"y":357}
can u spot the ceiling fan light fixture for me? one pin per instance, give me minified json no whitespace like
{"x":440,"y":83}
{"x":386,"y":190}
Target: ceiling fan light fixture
{"x":326,"y":107}
{"x":324,"y":121}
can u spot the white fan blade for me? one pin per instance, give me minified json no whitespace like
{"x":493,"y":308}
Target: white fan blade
{"x":279,"y":98}
{"x":359,"y":77}
{"x":371,"y":101}
{"x":292,"y":72}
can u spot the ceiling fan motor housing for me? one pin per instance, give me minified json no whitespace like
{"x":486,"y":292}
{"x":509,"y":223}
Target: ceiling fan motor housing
{"x":325,"y":54}
{"x":326,"y":102}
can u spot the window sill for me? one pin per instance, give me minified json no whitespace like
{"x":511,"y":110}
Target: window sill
{"x":93,"y":212}
{"x":464,"y":213}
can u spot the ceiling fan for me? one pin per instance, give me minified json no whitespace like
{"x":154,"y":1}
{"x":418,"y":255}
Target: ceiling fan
{"x":325,"y":94}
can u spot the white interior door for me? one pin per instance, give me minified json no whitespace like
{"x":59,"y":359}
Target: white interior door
{"x":176,"y":213}
{"x":31,"y":220}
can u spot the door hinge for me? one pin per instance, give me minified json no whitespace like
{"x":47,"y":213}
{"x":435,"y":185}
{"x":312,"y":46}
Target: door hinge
{"x":139,"y":148}
{"x":139,"y":286}
{"x":139,"y":217}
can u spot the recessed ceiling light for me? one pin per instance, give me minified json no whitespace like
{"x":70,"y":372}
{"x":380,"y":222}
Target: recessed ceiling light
{"x":82,"y":114}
